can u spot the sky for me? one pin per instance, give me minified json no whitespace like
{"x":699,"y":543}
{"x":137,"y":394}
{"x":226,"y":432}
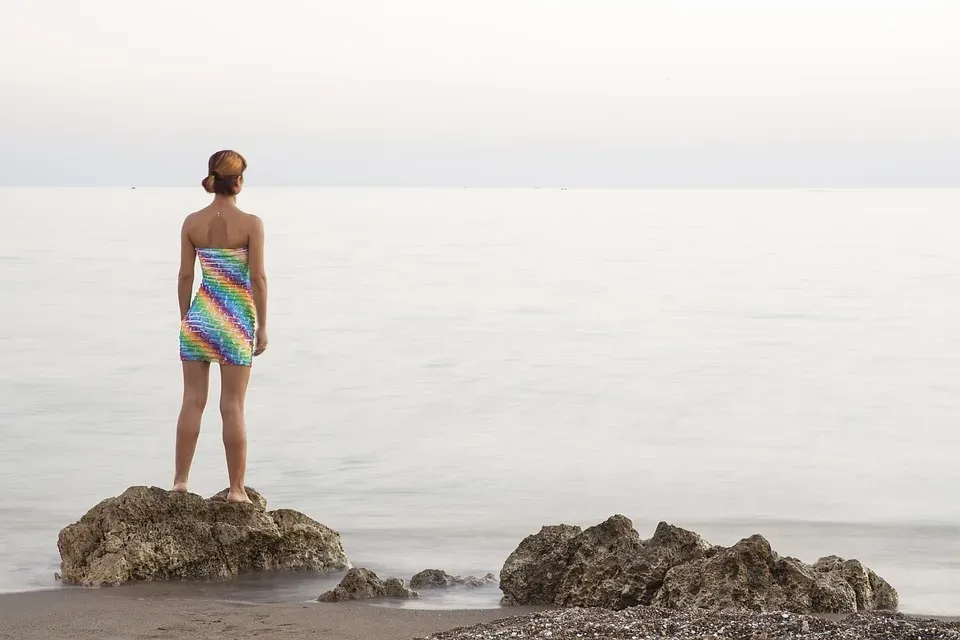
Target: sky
{"x":499,"y":93}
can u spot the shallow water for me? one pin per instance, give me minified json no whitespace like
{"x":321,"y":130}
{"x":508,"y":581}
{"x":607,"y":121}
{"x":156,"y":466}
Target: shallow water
{"x":450,"y":369}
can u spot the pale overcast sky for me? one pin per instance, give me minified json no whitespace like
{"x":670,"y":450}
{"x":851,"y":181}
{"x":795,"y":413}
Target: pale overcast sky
{"x":830,"y":93}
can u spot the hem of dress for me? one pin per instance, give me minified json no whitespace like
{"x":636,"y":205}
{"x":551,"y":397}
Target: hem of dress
{"x":220,"y":362}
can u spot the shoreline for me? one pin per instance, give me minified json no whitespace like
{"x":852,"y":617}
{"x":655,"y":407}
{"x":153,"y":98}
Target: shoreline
{"x":94,"y":614}
{"x":157,"y":611}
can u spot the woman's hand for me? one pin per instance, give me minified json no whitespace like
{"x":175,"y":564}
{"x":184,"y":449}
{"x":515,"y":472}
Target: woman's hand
{"x":260,"y":341}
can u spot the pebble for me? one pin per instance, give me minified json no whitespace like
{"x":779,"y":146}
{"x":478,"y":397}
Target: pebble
{"x":657,"y":623}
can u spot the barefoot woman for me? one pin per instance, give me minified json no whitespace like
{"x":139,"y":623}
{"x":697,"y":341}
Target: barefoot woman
{"x":226,"y":323}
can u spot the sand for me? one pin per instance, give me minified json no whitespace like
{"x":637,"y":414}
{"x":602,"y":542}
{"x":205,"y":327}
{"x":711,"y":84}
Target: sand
{"x":107,"y":614}
{"x":120,"y":614}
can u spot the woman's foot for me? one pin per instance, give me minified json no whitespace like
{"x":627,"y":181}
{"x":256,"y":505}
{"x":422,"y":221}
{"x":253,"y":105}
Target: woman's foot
{"x":238,"y":496}
{"x":179,"y":487}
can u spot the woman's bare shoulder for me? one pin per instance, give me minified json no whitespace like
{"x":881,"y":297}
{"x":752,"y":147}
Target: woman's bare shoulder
{"x":252,"y":220}
{"x":192,"y":217}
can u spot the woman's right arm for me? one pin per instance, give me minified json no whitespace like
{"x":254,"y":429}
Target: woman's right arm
{"x":258,"y":281}
{"x":188,"y":258}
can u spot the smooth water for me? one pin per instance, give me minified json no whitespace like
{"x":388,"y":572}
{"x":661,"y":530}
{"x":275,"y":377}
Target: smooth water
{"x":450,"y":369}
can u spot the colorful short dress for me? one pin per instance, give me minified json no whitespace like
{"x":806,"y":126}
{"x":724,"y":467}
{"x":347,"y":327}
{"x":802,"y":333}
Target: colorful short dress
{"x":219,"y":325}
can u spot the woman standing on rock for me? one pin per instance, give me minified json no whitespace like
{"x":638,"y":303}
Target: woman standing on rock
{"x":227,"y":321}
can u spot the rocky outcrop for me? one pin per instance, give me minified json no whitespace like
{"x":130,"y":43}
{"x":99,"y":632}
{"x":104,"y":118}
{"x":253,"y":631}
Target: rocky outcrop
{"x":437,"y":579}
{"x":149,"y":533}
{"x":363,"y":584}
{"x":609,"y":566}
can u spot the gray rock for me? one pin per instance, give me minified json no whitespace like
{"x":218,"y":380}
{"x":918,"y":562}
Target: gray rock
{"x":751,"y":576}
{"x":609,"y":566}
{"x":872,"y":591}
{"x":149,"y":533}
{"x":593,"y":575}
{"x":533,"y":573}
{"x":363,"y":584}
{"x":437,"y":579}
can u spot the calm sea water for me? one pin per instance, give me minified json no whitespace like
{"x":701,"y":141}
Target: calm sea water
{"x":451,"y":369}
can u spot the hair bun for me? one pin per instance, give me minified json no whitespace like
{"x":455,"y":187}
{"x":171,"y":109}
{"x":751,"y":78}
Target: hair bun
{"x":224,"y":173}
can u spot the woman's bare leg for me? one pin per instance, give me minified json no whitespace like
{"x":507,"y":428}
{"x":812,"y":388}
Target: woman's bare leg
{"x":233,"y":393}
{"x":196,"y":380}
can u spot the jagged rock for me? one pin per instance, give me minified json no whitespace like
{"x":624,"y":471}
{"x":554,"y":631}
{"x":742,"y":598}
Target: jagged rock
{"x":437,"y":579}
{"x":751,"y":576}
{"x":594,"y":573}
{"x":534,"y":572}
{"x":872,"y":591}
{"x":362,"y":584}
{"x":474,"y":581}
{"x":609,"y":566}
{"x":149,"y":533}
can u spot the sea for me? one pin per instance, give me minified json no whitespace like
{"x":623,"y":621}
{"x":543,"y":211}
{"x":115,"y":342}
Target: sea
{"x":451,"y":369}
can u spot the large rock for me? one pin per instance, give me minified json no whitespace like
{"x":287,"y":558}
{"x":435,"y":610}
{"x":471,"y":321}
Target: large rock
{"x":533,"y":573}
{"x":438,"y":579}
{"x":751,"y":576}
{"x":609,"y":566}
{"x":363,"y":584}
{"x":149,"y":533}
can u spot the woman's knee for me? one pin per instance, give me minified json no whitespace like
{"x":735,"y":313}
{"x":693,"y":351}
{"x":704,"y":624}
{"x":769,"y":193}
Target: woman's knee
{"x":231,"y":409}
{"x":196,"y":400}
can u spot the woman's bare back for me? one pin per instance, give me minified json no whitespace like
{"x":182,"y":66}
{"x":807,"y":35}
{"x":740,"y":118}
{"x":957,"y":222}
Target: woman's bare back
{"x":228,"y":228}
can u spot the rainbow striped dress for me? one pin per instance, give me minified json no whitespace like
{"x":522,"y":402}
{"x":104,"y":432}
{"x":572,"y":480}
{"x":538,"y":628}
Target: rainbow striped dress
{"x":219,"y":325}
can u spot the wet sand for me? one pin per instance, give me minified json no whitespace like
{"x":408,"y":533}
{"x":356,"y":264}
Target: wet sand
{"x":107,"y":614}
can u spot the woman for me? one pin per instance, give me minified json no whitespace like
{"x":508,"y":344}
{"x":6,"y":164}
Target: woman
{"x":227,"y":321}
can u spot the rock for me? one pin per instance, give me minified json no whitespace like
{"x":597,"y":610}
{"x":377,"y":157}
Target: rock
{"x":594,"y":574}
{"x":872,"y":591}
{"x":394,"y":588}
{"x":609,"y":566}
{"x":362,"y":584}
{"x":669,"y":547}
{"x":149,"y":533}
{"x":751,"y":576}
{"x":255,"y":497}
{"x":604,"y":566}
{"x":436,"y":579}
{"x":534,"y":572}
{"x":474,"y":582}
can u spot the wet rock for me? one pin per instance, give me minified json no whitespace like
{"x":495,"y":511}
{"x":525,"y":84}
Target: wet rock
{"x":608,"y":566}
{"x":149,"y":533}
{"x":437,"y":579}
{"x":363,"y":584}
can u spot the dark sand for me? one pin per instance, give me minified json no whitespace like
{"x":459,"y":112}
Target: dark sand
{"x":107,"y":614}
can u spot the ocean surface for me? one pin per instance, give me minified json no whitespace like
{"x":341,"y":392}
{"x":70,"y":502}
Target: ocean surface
{"x":450,"y":369}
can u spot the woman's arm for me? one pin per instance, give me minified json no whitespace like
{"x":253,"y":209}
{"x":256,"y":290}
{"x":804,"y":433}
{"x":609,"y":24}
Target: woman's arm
{"x":188,"y":257}
{"x":258,"y":275}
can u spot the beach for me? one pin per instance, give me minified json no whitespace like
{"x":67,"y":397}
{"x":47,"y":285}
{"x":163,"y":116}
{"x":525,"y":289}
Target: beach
{"x":151,"y":612}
